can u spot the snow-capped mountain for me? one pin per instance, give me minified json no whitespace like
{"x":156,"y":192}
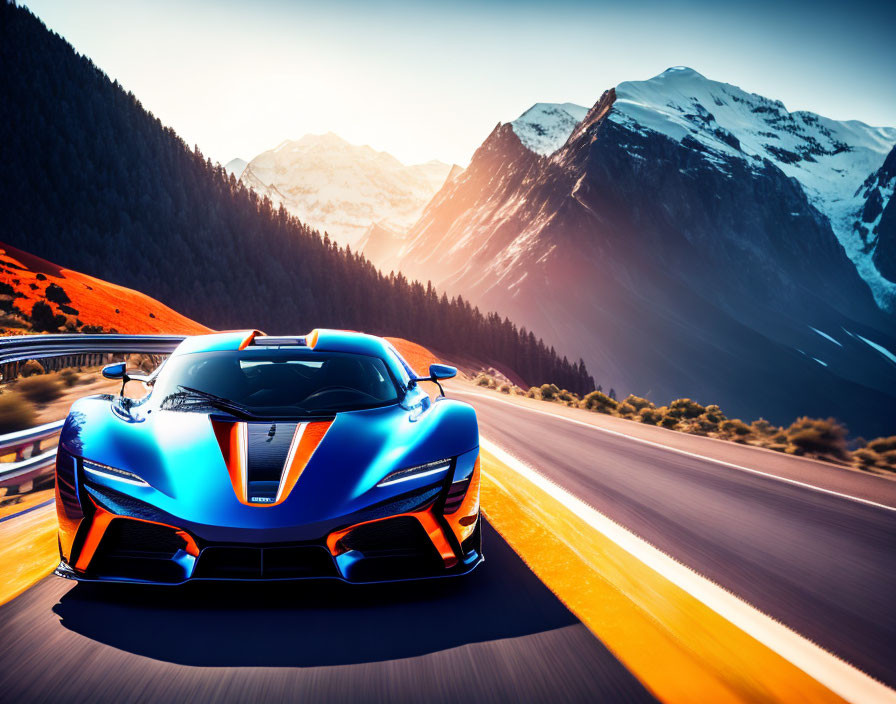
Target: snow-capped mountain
{"x":235,"y":167}
{"x":687,"y":238}
{"x":342,"y":188}
{"x":545,"y":127}
{"x":830,"y":159}
{"x":876,"y":223}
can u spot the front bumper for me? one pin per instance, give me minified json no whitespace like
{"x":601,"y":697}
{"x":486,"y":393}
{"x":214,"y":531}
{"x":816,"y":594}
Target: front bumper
{"x":435,"y":533}
{"x":403,"y":559}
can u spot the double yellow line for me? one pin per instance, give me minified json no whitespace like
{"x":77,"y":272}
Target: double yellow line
{"x":679,"y":647}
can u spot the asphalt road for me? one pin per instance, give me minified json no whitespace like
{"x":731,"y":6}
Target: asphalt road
{"x":498,"y":635}
{"x":821,"y":564}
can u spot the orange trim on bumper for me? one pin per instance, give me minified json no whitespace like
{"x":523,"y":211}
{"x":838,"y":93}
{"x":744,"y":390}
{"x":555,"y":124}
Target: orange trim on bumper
{"x":426,"y":518}
{"x":101,"y":520}
{"x":463,"y":521}
{"x":98,"y":526}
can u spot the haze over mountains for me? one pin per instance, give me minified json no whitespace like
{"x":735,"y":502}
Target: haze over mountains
{"x":687,"y":238}
{"x":343,"y":188}
{"x":104,"y":188}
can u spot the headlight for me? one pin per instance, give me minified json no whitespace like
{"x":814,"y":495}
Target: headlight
{"x":103,"y":470}
{"x":421,"y":470}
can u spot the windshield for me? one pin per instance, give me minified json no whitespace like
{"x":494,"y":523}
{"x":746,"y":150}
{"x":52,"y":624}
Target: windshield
{"x":275,"y":382}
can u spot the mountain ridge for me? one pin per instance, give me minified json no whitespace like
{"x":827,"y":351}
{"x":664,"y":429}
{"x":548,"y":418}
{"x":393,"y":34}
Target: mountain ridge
{"x":630,"y":245}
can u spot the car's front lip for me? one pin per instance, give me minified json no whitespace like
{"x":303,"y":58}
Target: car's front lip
{"x":458,"y":568}
{"x":65,"y":571}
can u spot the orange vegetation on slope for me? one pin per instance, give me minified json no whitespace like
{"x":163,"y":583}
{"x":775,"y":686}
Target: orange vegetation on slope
{"x":97,"y":302}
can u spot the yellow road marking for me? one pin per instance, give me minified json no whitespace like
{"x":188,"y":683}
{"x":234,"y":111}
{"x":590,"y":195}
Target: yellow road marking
{"x":679,"y":648}
{"x":28,"y":551}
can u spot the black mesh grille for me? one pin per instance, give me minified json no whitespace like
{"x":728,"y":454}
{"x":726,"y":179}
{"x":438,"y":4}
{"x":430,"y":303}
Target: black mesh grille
{"x":137,"y":550}
{"x":394,"y":536}
{"x":138,"y":539}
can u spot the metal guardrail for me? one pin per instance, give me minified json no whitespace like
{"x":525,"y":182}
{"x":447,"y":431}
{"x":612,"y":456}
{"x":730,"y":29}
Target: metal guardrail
{"x":32,"y":462}
{"x":22,"y":347}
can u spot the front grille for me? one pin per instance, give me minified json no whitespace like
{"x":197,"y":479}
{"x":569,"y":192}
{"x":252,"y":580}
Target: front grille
{"x":269,"y":562}
{"x":395,"y":548}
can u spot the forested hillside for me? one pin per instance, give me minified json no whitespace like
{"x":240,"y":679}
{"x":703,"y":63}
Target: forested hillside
{"x":92,"y":181}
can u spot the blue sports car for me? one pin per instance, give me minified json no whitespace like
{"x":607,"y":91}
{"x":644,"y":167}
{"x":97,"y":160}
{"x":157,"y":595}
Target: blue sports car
{"x":264,"y":458}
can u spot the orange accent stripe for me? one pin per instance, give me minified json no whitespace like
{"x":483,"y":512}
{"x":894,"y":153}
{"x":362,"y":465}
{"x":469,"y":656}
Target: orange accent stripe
{"x":311,"y":438}
{"x":231,"y":437}
{"x":463,"y":521}
{"x":311,"y":339}
{"x":429,"y":522}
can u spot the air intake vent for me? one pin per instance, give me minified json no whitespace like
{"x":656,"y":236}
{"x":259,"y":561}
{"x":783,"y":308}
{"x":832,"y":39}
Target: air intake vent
{"x":268,"y":448}
{"x":394,"y":536}
{"x":138,"y":550}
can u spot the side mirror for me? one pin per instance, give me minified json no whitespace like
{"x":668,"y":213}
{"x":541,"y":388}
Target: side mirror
{"x":441,"y":371}
{"x":116,"y":371}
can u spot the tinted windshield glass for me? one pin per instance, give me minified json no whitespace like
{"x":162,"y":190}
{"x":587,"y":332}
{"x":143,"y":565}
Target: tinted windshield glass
{"x":276,"y":382}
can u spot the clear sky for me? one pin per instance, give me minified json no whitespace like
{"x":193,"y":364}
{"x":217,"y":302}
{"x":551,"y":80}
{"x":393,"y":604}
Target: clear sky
{"x":430,"y":80}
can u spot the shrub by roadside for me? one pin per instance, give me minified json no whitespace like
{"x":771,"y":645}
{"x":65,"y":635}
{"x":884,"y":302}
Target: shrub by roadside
{"x":820,"y":438}
{"x":40,"y":389}
{"x":16,"y":412}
